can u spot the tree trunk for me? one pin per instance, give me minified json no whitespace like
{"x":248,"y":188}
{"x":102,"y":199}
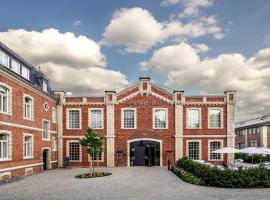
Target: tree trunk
{"x":93,"y":168}
{"x":90,"y":165}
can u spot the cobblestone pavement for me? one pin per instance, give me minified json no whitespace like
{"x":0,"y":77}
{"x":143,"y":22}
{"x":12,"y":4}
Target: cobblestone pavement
{"x":126,"y":183}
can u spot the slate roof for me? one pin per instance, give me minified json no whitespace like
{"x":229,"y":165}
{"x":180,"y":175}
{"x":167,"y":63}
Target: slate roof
{"x":252,"y":122}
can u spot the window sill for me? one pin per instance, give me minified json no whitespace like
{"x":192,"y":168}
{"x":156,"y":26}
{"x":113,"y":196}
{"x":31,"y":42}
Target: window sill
{"x":7,"y":159}
{"x":29,"y":119}
{"x":43,"y":139}
{"x":75,"y":161}
{"x":215,"y":127}
{"x":73,"y":128}
{"x":160,"y":128}
{"x":4,"y":113}
{"x":193,"y":128}
{"x":129,"y":128}
{"x":28,"y":158}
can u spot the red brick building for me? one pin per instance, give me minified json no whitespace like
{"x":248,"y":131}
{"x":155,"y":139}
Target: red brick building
{"x":143,"y":122}
{"x":27,"y":118}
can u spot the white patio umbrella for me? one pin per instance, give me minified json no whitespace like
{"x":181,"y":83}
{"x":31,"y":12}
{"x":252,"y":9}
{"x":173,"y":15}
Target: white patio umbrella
{"x":226,"y":150}
{"x":255,"y":150}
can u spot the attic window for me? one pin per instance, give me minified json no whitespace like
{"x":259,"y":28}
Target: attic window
{"x":25,"y":72}
{"x":45,"y":86}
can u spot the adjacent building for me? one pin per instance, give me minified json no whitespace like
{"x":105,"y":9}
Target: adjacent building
{"x":28,"y":130}
{"x":253,"y":133}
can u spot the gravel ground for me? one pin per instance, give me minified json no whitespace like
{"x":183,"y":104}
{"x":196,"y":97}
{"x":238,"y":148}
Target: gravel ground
{"x":131,"y":183}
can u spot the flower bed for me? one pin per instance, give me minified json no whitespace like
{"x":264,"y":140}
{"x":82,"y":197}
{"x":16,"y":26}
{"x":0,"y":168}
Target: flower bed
{"x":94,"y":175}
{"x":211,"y":176}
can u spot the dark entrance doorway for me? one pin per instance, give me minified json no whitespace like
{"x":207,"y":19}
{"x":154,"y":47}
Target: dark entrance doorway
{"x":45,"y":157}
{"x":144,"y":153}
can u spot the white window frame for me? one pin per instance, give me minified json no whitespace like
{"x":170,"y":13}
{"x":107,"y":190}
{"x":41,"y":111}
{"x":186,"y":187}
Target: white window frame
{"x":54,"y":143}
{"x":3,"y":54}
{"x":122,"y":117}
{"x":9,"y":133}
{"x":45,"y":86}
{"x":200,"y":147}
{"x":18,"y":65}
{"x":54,"y":115}
{"x":90,"y":117}
{"x":67,"y":150}
{"x":251,"y":141}
{"x":221,"y":117}
{"x":32,"y":145}
{"x":200,"y":118}
{"x":209,"y":150}
{"x":23,"y":67}
{"x":67,"y":118}
{"x":9,"y":99}
{"x":49,"y":135}
{"x":102,"y":157}
{"x":153,"y":118}
{"x":32,"y":107}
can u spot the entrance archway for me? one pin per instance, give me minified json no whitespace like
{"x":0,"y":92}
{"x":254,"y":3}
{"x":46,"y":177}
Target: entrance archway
{"x":144,"y":152}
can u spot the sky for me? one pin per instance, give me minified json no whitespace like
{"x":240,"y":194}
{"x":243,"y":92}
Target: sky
{"x":199,"y":46}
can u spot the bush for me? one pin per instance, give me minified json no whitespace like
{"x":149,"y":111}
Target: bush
{"x":94,"y":175}
{"x":256,"y":158}
{"x":212,"y":176}
{"x":186,"y":176}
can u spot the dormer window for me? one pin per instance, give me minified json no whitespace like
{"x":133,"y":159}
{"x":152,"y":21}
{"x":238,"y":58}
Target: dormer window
{"x":25,"y":72}
{"x":15,"y":66}
{"x":45,"y":86}
{"x":4,"y":59}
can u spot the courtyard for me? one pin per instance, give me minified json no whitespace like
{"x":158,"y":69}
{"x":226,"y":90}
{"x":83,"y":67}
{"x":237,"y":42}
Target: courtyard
{"x":126,"y":183}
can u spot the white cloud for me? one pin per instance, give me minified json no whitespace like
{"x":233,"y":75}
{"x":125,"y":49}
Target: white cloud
{"x":137,"y":30}
{"x":184,"y":68}
{"x":70,"y":62}
{"x":77,"y":23}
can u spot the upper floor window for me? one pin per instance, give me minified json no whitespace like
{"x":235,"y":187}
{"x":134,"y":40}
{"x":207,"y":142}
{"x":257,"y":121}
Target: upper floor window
{"x":28,"y":146}
{"x":214,"y":145}
{"x":53,"y":115}
{"x":45,"y":134}
{"x":4,"y":59}
{"x":45,"y":86}
{"x":193,"y":118}
{"x":4,"y":146}
{"x":194,"y":150}
{"x":25,"y":72}
{"x":4,"y":99}
{"x":54,"y":144}
{"x":74,"y":119}
{"x":74,"y":151}
{"x":258,"y":130}
{"x":160,"y":117}
{"x":128,"y":118}
{"x":96,"y":118}
{"x":215,"y":118}
{"x":28,"y":108}
{"x":15,"y":66}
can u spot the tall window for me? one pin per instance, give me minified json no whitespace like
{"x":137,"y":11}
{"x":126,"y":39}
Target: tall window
{"x":193,"y":118}
{"x":45,"y":86}
{"x":129,"y":118}
{"x":194,"y":150}
{"x":74,"y":119}
{"x":54,"y":144}
{"x":214,"y":146}
{"x":15,"y":66}
{"x":160,"y":118}
{"x":45,"y":134}
{"x":97,"y":156}
{"x":53,"y":115}
{"x":4,"y":146}
{"x":28,"y":146}
{"x":4,"y":59}
{"x":4,"y":99}
{"x":28,"y":108}
{"x":74,"y":151}
{"x":215,"y":118}
{"x":96,"y":118}
{"x":25,"y":72}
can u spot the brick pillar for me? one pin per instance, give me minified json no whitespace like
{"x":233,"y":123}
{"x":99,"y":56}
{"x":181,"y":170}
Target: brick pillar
{"x":178,"y":101}
{"x":110,"y":101}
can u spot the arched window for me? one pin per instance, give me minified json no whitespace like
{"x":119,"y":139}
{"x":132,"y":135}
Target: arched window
{"x":28,"y":146}
{"x":4,"y":99}
{"x":28,"y":108}
{"x":215,"y":118}
{"x":4,"y":146}
{"x":193,"y":118}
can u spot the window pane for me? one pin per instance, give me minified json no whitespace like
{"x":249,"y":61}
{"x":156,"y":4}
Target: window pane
{"x":193,"y":118}
{"x":96,"y":119}
{"x":160,"y":118}
{"x":74,"y":119}
{"x":215,"y":118}
{"x":25,"y":72}
{"x":129,"y":119}
{"x":4,"y":92}
{"x":193,"y":150}
{"x":45,"y":130}
{"x":74,"y":151}
{"x":4,"y":59}
{"x":214,"y":146}
{"x":45,"y":86}
{"x":15,"y":66}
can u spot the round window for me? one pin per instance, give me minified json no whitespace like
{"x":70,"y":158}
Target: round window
{"x":46,"y":106}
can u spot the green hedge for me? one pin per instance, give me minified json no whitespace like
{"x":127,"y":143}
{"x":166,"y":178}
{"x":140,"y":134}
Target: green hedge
{"x":212,"y":176}
{"x":186,"y":176}
{"x":256,"y":158}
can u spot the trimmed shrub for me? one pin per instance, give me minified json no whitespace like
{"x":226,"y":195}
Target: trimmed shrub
{"x":186,"y":176}
{"x":93,"y":175}
{"x":212,"y":176}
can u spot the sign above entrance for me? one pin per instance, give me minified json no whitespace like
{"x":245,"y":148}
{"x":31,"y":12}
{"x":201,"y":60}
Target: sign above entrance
{"x":144,"y":104}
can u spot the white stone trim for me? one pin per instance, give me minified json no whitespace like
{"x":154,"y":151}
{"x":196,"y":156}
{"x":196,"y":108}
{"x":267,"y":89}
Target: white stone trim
{"x":33,"y":149}
{"x":122,"y":117}
{"x":67,"y":150}
{"x":32,"y":109}
{"x":128,"y":97}
{"x":153,"y":117}
{"x":102,"y":117}
{"x":200,"y":117}
{"x":2,"y":175}
{"x":139,"y":139}
{"x":9,"y":133}
{"x":221,"y":117}
{"x":49,"y":138}
{"x":54,"y":115}
{"x":54,"y":146}
{"x":205,"y":136}
{"x":221,"y":146}
{"x":20,"y":167}
{"x":46,"y":105}
{"x":204,"y":103}
{"x":67,"y":118}
{"x":264,"y":136}
{"x":84,"y":103}
{"x":178,"y":131}
{"x":200,"y":147}
{"x":9,"y":112}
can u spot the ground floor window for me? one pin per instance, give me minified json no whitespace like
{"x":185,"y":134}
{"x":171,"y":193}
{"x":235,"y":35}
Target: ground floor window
{"x":214,"y":145}
{"x":253,"y":143}
{"x":4,"y":146}
{"x":74,"y":151}
{"x":28,"y":146}
{"x":241,"y":145}
{"x":194,"y":150}
{"x":98,"y":156}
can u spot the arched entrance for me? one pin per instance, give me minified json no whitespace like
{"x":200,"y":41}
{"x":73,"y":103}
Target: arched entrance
{"x":144,"y":152}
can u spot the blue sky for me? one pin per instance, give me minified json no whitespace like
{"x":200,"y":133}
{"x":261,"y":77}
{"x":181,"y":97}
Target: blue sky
{"x":237,"y":26}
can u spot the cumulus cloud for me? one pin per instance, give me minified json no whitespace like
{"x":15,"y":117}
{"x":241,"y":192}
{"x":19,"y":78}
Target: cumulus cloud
{"x":137,"y":30}
{"x":65,"y":58}
{"x":184,"y":68}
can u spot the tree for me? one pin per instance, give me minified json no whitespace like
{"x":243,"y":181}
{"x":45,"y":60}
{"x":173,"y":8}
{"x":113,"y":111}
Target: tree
{"x":94,"y":144}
